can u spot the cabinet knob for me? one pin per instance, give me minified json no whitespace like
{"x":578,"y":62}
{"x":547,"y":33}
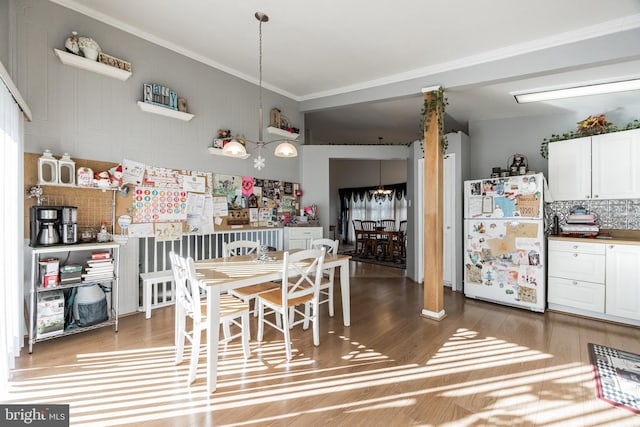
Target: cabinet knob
{"x":595,"y":196}
{"x":575,"y":246}
{"x":587,"y":197}
{"x":575,"y":255}
{"x":574,"y":283}
{"x":611,"y":246}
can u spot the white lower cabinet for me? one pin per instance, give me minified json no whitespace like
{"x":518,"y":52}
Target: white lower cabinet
{"x":578,"y":294}
{"x":595,"y":279}
{"x":623,"y":281}
{"x":300,"y":237}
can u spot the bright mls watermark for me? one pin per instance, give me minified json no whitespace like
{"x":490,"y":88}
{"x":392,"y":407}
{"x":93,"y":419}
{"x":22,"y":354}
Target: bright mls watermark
{"x":34,"y":415}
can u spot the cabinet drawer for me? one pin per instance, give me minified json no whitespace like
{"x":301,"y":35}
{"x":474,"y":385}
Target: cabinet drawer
{"x":577,"y":266}
{"x":573,"y":246}
{"x":305,"y":233}
{"x":577,"y":294}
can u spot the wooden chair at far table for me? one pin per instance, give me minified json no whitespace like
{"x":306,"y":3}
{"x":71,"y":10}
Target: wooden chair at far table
{"x":189,"y":305}
{"x":326,"y":285}
{"x":248,"y":293}
{"x":370,"y":238}
{"x":301,"y":277}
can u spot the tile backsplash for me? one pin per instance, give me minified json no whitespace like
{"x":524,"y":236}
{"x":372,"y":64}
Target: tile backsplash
{"x":609,"y":214}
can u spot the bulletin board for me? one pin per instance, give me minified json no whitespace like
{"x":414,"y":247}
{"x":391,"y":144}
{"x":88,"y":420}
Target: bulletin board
{"x":166,"y":202}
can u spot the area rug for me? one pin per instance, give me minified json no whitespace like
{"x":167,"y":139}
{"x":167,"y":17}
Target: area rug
{"x":371,"y":260}
{"x":617,"y":376}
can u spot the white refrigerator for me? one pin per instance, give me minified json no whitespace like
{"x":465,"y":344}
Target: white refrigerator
{"x":504,"y":245}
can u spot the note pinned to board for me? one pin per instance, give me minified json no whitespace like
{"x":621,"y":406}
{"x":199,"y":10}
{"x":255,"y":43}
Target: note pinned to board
{"x":528,"y":205}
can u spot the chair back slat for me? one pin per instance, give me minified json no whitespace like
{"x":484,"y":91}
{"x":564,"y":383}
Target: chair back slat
{"x":302,"y":273}
{"x":331,"y":246}
{"x":240,"y":247}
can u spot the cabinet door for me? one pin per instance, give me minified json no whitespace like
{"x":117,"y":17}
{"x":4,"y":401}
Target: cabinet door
{"x":577,"y":266}
{"x":623,"y":281}
{"x":615,"y":171}
{"x":570,"y":169}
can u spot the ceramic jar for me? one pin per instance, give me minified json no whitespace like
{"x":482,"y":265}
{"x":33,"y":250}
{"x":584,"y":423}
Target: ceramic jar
{"x":71,"y":44}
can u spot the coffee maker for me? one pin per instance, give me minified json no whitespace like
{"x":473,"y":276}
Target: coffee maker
{"x":69,"y":224}
{"x":44,"y":225}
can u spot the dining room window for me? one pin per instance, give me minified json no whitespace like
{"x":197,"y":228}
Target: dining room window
{"x":360,"y":205}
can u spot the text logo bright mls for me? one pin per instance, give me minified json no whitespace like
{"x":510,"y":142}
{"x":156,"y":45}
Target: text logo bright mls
{"x":34,"y":415}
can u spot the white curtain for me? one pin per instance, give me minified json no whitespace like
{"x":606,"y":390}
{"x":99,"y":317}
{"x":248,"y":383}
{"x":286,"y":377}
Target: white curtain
{"x":11,"y":233}
{"x":376,"y":210}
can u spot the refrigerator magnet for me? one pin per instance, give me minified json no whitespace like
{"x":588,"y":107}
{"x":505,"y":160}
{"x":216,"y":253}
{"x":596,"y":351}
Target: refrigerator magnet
{"x":487,"y":204}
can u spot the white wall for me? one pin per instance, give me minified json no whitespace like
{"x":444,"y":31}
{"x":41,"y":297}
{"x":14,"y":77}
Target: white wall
{"x":315,"y":171}
{"x":347,"y":173}
{"x":95,"y":117}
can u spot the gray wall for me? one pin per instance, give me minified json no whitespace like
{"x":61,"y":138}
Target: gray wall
{"x":95,"y":117}
{"x":315,"y":171}
{"x":347,"y":173}
{"x":494,"y":141}
{"x":4,"y":34}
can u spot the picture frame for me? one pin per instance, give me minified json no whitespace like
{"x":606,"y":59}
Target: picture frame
{"x":487,"y":204}
{"x":147,"y":93}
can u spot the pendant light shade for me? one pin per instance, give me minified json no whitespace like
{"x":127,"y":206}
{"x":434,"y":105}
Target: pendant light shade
{"x":234,"y":149}
{"x":286,"y":149}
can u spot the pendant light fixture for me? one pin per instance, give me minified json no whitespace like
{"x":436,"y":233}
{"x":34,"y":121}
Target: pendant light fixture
{"x":285,"y":149}
{"x":380,"y":193}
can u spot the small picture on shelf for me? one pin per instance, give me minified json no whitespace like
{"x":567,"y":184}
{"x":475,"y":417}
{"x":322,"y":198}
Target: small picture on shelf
{"x":148,"y":93}
{"x":182,"y":105}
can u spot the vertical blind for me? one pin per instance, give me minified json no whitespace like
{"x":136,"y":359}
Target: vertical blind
{"x":11,"y":229}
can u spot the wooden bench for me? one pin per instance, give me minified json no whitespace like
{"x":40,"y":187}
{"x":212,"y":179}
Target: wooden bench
{"x":151,"y":280}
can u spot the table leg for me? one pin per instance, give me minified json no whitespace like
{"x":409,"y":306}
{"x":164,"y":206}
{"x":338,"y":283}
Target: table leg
{"x":213,"y":335}
{"x":344,"y":290}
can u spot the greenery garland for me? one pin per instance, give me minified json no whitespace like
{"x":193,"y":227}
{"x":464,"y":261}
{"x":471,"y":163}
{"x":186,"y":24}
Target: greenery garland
{"x":609,"y":128}
{"x":435,"y":104}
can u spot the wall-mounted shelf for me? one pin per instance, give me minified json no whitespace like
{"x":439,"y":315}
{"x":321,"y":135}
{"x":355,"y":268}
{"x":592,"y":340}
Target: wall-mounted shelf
{"x":281,"y":132}
{"x":218,"y":152}
{"x":48,"y":184}
{"x":93,"y":66}
{"x":164,"y":111}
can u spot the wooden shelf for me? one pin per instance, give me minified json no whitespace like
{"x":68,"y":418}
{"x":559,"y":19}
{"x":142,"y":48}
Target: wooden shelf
{"x":164,"y":111}
{"x":283,"y":133}
{"x":218,"y":152}
{"x":93,"y":66}
{"x":48,"y":184}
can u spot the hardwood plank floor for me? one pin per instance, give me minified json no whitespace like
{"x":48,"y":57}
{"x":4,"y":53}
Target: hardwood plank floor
{"x":483,"y":365}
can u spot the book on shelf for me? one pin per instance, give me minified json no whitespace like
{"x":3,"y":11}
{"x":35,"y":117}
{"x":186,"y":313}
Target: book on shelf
{"x":101,"y":255}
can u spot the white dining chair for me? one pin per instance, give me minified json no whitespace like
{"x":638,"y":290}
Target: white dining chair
{"x":190,"y":305}
{"x":247,"y":293}
{"x":326,"y":285}
{"x":301,"y":277}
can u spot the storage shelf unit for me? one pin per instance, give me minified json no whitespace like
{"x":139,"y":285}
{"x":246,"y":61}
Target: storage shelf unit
{"x":281,"y":132}
{"x":164,"y":111}
{"x":82,"y":249}
{"x":93,"y":66}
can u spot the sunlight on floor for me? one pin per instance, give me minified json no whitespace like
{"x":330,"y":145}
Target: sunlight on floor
{"x":144,"y":385}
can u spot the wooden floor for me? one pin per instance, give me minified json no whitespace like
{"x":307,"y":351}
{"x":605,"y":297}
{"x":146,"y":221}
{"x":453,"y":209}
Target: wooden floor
{"x":483,"y":365}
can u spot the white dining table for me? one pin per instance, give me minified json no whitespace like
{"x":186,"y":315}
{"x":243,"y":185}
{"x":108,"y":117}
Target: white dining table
{"x":222,"y":274}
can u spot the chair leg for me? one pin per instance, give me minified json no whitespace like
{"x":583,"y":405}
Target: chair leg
{"x":226,"y":329}
{"x":245,"y":335}
{"x":260,"y":310}
{"x":305,"y":323}
{"x":195,"y":352}
{"x":331,"y":311}
{"x":287,"y":336}
{"x":179,"y":339}
{"x":316,"y":326}
{"x":292,"y":316}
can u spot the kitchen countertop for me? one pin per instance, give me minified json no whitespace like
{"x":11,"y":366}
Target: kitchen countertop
{"x":619,"y":237}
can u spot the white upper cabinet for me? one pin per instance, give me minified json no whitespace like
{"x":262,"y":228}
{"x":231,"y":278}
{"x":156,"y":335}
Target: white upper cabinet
{"x":616,"y":165}
{"x":598,"y":167}
{"x":570,"y":169}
